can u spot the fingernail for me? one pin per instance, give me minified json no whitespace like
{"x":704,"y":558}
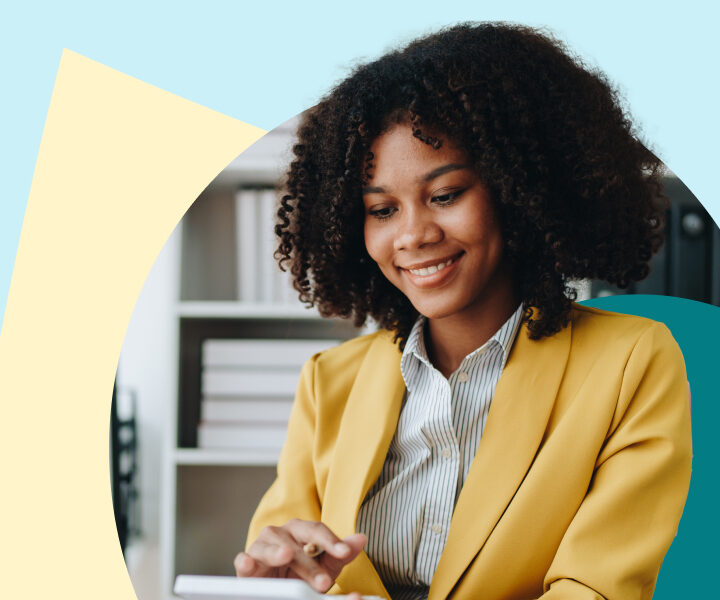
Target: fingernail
{"x":322,"y":581}
{"x":342,"y":548}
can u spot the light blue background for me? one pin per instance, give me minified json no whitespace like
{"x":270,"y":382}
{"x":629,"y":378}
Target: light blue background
{"x":263,"y":62}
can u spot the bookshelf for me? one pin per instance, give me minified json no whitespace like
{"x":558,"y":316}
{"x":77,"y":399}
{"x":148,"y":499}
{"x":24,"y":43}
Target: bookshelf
{"x":227,"y":289}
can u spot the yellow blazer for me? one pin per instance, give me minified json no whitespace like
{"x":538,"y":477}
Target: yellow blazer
{"x":578,"y":483}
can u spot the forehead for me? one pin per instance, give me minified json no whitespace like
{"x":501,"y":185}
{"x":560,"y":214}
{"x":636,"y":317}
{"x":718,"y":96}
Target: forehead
{"x":398,"y":154}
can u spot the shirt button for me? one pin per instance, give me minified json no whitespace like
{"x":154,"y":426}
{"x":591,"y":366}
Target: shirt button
{"x":462,"y":377}
{"x":437,"y":528}
{"x":446,"y":453}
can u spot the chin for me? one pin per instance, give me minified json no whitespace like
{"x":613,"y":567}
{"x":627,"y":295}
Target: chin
{"x":435,"y":311}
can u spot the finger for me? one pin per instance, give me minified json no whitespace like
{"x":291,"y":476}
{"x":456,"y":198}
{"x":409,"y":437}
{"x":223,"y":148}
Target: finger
{"x":280,"y":549}
{"x":313,"y":571}
{"x":320,"y":535}
{"x":356,"y":543}
{"x":331,"y":564}
{"x":273,"y":549}
{"x":245,"y":565}
{"x":354,"y":596}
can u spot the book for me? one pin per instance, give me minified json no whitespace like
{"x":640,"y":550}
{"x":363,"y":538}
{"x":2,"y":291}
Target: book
{"x":248,"y":436}
{"x":262,"y":352}
{"x":268,"y":243}
{"x":285,"y":293}
{"x":246,"y":244}
{"x":220,"y":381}
{"x":271,"y":409}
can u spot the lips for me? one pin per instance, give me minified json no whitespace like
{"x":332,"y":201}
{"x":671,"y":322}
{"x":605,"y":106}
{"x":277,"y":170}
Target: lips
{"x":432,"y":273}
{"x":425,"y":271}
{"x":429,"y":267}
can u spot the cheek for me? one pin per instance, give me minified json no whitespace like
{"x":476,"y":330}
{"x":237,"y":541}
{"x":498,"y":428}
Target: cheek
{"x":376,"y":243}
{"x":482,"y":227}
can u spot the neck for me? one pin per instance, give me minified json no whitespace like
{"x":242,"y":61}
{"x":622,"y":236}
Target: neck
{"x":450,"y":339}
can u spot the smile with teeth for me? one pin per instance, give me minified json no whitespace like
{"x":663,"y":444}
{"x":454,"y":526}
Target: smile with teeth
{"x":432,"y":269}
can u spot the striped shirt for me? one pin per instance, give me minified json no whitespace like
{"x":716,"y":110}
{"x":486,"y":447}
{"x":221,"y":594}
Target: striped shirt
{"x":406,"y":514}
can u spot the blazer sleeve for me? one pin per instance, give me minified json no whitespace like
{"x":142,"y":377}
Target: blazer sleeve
{"x":616,"y":542}
{"x":293,"y":494}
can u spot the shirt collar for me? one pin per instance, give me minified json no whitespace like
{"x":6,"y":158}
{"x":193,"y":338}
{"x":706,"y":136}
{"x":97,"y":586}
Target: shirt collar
{"x":415,"y":349}
{"x":505,"y":336}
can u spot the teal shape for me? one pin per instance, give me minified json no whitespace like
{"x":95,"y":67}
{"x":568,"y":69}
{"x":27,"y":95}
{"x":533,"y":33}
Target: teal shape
{"x":692,"y":560}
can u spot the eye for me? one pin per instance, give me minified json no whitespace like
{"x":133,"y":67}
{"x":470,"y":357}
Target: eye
{"x":382,"y":212}
{"x":446,"y":199}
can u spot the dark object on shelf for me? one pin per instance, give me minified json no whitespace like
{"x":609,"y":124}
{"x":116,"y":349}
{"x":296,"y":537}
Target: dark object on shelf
{"x":688,"y":264}
{"x":123,"y":463}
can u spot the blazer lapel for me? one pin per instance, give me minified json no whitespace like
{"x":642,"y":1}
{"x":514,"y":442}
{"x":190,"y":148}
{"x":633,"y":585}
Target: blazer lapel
{"x":522,"y":404}
{"x":368,"y":425}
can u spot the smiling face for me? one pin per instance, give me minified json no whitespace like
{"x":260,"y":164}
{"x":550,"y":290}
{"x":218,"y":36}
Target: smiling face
{"x":431,"y":227}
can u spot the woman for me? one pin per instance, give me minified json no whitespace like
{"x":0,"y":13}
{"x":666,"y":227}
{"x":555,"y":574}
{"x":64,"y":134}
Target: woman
{"x":493,"y":440}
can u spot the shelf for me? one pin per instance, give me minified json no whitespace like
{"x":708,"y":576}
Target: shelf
{"x":229,"y":457}
{"x":221,"y":280}
{"x":244,"y":310}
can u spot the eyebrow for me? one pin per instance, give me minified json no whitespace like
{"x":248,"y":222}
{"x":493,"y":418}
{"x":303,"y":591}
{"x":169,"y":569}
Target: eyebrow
{"x":372,"y":189}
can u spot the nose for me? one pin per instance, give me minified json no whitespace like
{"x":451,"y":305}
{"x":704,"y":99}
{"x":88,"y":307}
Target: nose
{"x":417,"y":228}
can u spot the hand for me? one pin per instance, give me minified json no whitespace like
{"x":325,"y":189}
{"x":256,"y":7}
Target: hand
{"x":278,"y":552}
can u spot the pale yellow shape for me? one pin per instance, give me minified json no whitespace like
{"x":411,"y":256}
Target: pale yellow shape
{"x":119,"y":163}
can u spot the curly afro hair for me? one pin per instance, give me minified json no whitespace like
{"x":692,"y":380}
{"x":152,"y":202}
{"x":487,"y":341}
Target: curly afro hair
{"x":578,"y":196}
